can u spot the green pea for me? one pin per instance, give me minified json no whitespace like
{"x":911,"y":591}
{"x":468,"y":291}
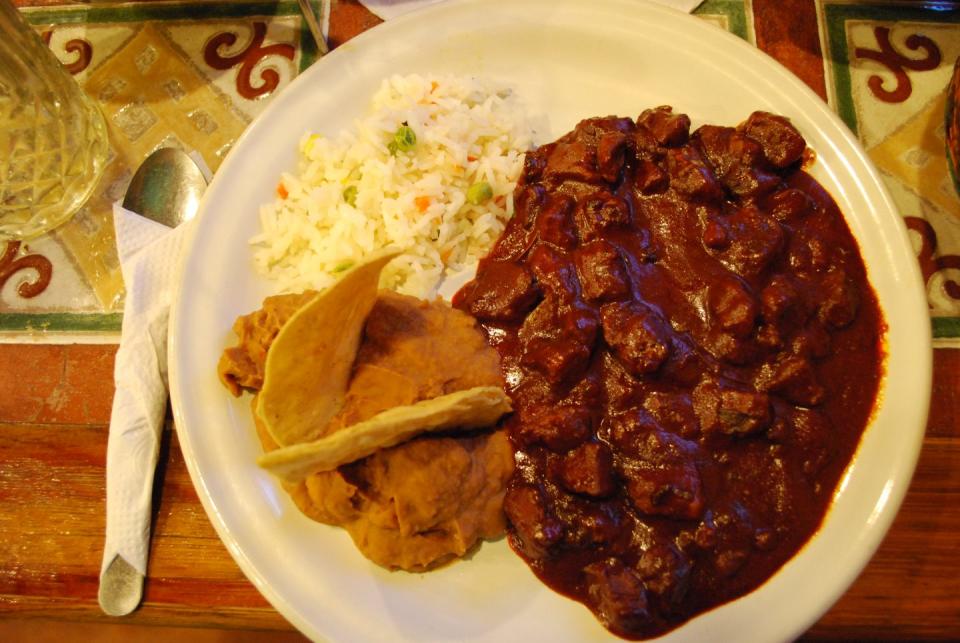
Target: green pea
{"x":479,"y":193}
{"x":403,"y":139}
{"x":343,"y":265}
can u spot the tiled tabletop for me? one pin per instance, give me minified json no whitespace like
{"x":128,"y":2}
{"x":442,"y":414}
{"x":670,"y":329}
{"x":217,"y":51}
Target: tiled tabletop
{"x":194,"y":75}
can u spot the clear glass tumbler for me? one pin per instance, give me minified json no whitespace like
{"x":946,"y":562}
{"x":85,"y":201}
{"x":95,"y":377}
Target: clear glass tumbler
{"x":53,"y":139}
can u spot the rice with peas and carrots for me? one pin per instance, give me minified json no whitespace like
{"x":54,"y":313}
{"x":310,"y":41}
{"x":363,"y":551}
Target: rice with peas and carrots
{"x":430,"y":170}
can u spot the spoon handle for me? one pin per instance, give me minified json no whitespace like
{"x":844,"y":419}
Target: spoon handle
{"x":136,"y":421}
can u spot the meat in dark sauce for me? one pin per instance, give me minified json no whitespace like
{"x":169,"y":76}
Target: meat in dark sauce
{"x":693,"y":351}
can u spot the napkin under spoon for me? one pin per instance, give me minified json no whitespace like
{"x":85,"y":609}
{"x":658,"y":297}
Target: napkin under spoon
{"x":166,"y":188}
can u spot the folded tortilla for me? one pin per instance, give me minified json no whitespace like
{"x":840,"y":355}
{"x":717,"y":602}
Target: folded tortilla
{"x":469,"y":409}
{"x":308,"y":365}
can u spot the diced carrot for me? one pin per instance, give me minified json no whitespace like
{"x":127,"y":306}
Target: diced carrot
{"x":282,"y":191}
{"x":471,"y":158}
{"x":422,"y":203}
{"x":501,"y":201}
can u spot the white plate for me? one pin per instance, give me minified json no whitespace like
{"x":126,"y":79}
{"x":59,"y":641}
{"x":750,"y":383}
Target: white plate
{"x":569,"y":59}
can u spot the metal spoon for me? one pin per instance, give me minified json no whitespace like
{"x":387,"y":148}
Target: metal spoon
{"x":166,"y":188}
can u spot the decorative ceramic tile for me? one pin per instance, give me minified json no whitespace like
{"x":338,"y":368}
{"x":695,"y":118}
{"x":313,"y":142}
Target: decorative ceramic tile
{"x":184,"y":74}
{"x":735,"y":16}
{"x":887,"y":68}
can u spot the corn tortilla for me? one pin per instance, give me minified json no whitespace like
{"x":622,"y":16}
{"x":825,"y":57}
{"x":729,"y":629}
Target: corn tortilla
{"x":308,"y":365}
{"x":476,"y":407}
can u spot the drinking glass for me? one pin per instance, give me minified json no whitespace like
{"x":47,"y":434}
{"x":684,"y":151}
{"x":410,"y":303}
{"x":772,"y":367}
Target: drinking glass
{"x":53,"y":139}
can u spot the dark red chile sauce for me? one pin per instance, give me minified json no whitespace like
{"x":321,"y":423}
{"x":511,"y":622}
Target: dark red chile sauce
{"x":692,"y":350}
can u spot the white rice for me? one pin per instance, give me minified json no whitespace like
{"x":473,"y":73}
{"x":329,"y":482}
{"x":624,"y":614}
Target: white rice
{"x":467,"y":130}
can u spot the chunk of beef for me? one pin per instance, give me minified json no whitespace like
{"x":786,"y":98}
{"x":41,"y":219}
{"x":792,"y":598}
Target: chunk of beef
{"x":603,"y":276}
{"x":690,"y":175}
{"x":598,"y":213}
{"x":671,"y":490}
{"x":731,"y":411}
{"x":637,"y":335}
{"x":839,"y":299}
{"x":592,"y":129}
{"x":754,"y":241}
{"x":579,"y":322}
{"x":588,"y":470}
{"x":626,"y":430}
{"x":732,"y":307}
{"x":687,"y":362}
{"x":559,"y":428}
{"x":793,"y":377}
{"x":590,"y":523}
{"x":737,"y":160}
{"x":782,"y":144}
{"x":611,"y":154}
{"x":554,"y":223}
{"x":733,"y":531}
{"x":572,"y":160}
{"x":502,"y":291}
{"x":780,"y":299}
{"x":789,"y":205}
{"x":535,"y":162}
{"x":769,"y":336}
{"x":812,"y":341}
{"x":739,"y":351}
{"x":619,"y":385}
{"x":669,"y":129}
{"x":535,"y":529}
{"x":650,"y":178}
{"x":617,"y":595}
{"x":666,"y":573}
{"x":674,"y":412}
{"x":644,"y":145}
{"x":810,"y":253}
{"x":554,"y":272}
{"x":560,"y":359}
{"x":715,"y":235}
{"x":527,"y":201}
{"x":542,"y":321}
{"x":515,"y":241}
{"x":661,"y":475}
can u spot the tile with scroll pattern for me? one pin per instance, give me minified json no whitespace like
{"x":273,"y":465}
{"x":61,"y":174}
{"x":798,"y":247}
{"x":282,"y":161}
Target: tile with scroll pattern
{"x":83,"y":47}
{"x":247,"y":60}
{"x":896,"y":69}
{"x":887,"y":67}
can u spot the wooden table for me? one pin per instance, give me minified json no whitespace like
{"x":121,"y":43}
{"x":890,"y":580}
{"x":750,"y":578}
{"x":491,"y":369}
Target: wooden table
{"x":55,"y":404}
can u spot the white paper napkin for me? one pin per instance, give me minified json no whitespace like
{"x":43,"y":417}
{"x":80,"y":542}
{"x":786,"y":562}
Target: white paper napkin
{"x":150,"y":258}
{"x":387,"y":9}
